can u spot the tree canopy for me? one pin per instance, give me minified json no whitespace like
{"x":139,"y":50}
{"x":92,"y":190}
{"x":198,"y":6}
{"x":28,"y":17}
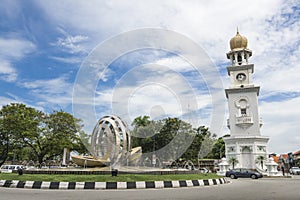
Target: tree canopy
{"x":35,"y":135}
{"x":153,"y":135}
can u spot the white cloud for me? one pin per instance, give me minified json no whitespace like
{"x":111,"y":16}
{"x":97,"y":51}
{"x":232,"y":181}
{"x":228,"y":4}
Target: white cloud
{"x":158,"y":91}
{"x":192,"y":15}
{"x":52,"y":91}
{"x":15,"y":48}
{"x":12,"y":50}
{"x":15,"y":99}
{"x":71,"y":60}
{"x":7,"y":73}
{"x":72,"y":44}
{"x":281,"y":123}
{"x":207,"y":23}
{"x":175,"y":63}
{"x":4,"y":101}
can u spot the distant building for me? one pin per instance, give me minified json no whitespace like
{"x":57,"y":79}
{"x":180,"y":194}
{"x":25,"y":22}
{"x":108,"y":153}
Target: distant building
{"x":288,"y":160}
{"x":209,"y":164}
{"x":296,"y":157}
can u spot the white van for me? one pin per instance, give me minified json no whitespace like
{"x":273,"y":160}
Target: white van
{"x":10,"y":168}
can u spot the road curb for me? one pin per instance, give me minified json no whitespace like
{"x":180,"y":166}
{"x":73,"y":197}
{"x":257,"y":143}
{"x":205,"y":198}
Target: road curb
{"x":111,"y":185}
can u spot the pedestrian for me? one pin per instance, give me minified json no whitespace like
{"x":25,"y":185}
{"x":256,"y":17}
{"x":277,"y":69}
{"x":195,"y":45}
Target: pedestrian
{"x":282,"y":168}
{"x":20,"y":171}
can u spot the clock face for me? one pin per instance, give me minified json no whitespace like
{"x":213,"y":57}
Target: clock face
{"x":241,"y":77}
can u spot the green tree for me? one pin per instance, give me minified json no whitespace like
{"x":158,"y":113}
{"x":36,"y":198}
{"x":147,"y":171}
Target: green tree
{"x":175,"y":132}
{"x":20,"y":124}
{"x":143,"y":129}
{"x":154,"y":135}
{"x":208,"y":141}
{"x":233,"y":161}
{"x":141,"y":121}
{"x":192,"y":152}
{"x":218,"y":149}
{"x":4,"y":144}
{"x":202,"y":131}
{"x":45,"y":134}
{"x":58,"y":130}
{"x":260,"y":160}
{"x":201,"y":145}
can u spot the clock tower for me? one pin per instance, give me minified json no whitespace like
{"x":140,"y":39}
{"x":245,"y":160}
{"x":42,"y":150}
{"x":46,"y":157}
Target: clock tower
{"x":245,"y":146}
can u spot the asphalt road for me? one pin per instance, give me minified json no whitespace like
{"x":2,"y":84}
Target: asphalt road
{"x":245,"y":189}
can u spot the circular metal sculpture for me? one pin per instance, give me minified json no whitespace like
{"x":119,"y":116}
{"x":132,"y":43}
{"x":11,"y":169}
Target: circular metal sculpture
{"x":111,"y":140}
{"x":110,"y":145}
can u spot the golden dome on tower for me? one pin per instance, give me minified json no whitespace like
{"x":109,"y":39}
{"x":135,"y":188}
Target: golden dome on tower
{"x":238,"y":42}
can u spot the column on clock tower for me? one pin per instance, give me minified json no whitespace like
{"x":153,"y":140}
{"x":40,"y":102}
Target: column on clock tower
{"x":245,"y":142}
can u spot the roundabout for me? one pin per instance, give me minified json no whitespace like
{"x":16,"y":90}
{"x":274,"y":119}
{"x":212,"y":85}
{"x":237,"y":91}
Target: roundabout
{"x":111,"y":152}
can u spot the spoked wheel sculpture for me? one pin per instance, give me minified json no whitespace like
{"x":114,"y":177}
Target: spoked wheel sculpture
{"x":110,"y":145}
{"x":111,"y":140}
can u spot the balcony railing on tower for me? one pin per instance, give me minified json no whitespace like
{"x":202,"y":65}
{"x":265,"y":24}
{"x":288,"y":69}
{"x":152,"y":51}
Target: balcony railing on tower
{"x":244,"y":120}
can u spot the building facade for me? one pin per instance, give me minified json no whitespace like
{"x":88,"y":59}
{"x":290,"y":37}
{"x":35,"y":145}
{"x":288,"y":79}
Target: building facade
{"x":245,"y":146}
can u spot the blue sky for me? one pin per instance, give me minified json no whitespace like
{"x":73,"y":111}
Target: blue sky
{"x":45,"y":44}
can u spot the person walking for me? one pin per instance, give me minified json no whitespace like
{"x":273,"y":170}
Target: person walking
{"x":282,"y":169}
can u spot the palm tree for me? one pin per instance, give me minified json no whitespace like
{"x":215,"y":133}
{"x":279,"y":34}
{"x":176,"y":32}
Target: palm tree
{"x":233,"y":161}
{"x":141,"y":121}
{"x":260,"y":159}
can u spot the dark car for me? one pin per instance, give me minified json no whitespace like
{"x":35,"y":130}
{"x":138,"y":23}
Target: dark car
{"x":243,"y":173}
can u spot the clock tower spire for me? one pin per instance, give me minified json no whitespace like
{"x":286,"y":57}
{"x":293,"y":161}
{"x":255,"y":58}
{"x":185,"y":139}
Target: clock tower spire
{"x":245,"y":143}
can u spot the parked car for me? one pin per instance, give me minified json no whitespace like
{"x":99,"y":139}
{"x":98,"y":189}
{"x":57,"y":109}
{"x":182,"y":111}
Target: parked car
{"x":295,"y":170}
{"x":243,"y":173}
{"x":10,"y":168}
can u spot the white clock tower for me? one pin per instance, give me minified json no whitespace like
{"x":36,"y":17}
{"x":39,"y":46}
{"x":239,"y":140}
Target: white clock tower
{"x":245,"y":146}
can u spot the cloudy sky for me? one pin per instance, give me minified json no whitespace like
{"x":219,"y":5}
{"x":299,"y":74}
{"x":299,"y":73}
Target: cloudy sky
{"x":131,"y":58}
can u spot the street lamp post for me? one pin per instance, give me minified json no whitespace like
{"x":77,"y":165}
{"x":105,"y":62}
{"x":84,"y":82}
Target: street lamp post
{"x":153,"y":155}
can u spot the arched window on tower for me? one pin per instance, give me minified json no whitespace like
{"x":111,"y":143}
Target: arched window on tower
{"x":240,"y":59}
{"x":243,"y":111}
{"x":242,"y":105}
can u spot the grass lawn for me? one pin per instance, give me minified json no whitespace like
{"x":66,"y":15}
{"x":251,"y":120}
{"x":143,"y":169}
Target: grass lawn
{"x":104,"y":178}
